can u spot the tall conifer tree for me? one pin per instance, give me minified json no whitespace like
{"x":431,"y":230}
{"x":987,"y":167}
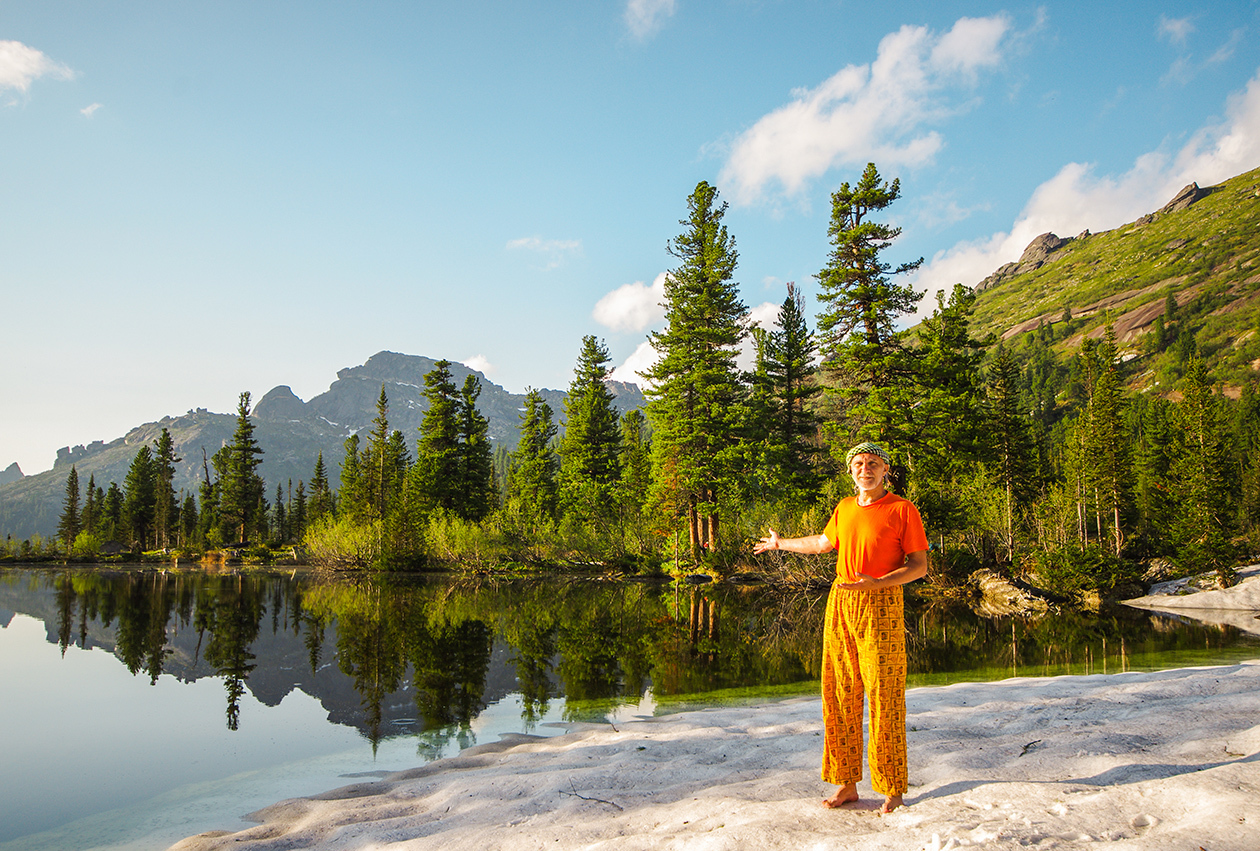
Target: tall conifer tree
{"x":589,"y":449}
{"x":532,"y":475}
{"x":694,"y":388}
{"x":70,"y":524}
{"x":242,"y":494}
{"x":863,"y":355}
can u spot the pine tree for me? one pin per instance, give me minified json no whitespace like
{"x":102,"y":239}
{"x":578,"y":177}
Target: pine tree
{"x":1107,"y":444}
{"x":532,"y":476}
{"x":298,"y":514}
{"x":165,"y":509}
{"x":350,"y":498}
{"x":138,"y":505}
{"x":476,"y":491}
{"x":280,"y":522}
{"x":863,"y":354}
{"x":1203,"y":526}
{"x":112,"y":514}
{"x":70,"y":524}
{"x":948,"y":435}
{"x":694,"y":388}
{"x":90,"y":521}
{"x":242,"y":489}
{"x":589,"y":459}
{"x":636,"y":462}
{"x":437,"y":452}
{"x":787,"y":365}
{"x":382,"y":470}
{"x":1009,"y":440}
{"x":321,"y":504}
{"x":188,"y":521}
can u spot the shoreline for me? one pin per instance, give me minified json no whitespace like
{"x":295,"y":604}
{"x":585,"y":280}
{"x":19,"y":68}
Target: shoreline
{"x":1169,"y":756}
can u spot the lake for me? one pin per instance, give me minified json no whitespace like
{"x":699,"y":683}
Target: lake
{"x":141,"y":706}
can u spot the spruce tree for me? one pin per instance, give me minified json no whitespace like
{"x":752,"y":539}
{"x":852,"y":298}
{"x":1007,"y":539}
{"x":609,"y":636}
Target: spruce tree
{"x":242,"y":489}
{"x":298,"y":513}
{"x":1203,"y":527}
{"x":112,"y":514}
{"x":90,"y":520}
{"x":140,"y":500}
{"x":476,"y":491}
{"x":165,"y":508}
{"x":1008,"y":438}
{"x":788,"y":366}
{"x":381,"y":470}
{"x":589,"y":462}
{"x":70,"y":524}
{"x":864,"y":356}
{"x":948,"y":435}
{"x":1107,"y":444}
{"x":532,"y":476}
{"x":694,"y":389}
{"x":321,"y":503}
{"x":436,"y":471}
{"x":350,"y":497}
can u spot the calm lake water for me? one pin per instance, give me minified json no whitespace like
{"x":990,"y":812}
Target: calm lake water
{"x":141,"y":706}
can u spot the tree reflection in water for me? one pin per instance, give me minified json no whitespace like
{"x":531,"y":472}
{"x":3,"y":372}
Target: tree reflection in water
{"x":427,"y":646}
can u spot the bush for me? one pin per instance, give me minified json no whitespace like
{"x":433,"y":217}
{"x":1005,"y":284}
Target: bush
{"x":1068,"y":571}
{"x":343,"y":542}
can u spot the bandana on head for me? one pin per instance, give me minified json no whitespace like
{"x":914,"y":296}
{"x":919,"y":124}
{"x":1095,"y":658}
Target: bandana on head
{"x":867,"y":448}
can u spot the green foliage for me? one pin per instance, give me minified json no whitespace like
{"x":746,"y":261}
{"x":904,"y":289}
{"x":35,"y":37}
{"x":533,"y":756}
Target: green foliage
{"x":696,"y":395}
{"x":1069,"y":571}
{"x":864,"y":357}
{"x":590,"y":448}
{"x":69,"y":525}
{"x":242,"y":489}
{"x":343,"y":542}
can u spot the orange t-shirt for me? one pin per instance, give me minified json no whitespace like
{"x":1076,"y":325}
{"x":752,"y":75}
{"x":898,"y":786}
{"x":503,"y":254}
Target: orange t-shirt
{"x":874,"y":539}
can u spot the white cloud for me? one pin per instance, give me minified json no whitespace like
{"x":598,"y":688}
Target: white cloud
{"x":555,"y":251}
{"x":642,"y":359}
{"x":866,"y":112}
{"x":645,"y":17}
{"x":89,"y":111}
{"x":764,"y":314}
{"x":1176,"y":30}
{"x":21,"y":65}
{"x":1076,"y":198}
{"x":632,"y":307}
{"x":480,"y":363}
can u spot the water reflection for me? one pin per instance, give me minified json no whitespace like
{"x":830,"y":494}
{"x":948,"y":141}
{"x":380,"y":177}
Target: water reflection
{"x":426,"y":656}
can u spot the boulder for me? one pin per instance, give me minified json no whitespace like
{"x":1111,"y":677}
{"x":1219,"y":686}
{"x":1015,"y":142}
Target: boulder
{"x":999,"y":596}
{"x":1187,"y":196}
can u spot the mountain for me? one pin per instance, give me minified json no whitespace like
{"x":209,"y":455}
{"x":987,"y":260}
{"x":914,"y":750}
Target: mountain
{"x":1203,"y":247}
{"x":291,"y":432}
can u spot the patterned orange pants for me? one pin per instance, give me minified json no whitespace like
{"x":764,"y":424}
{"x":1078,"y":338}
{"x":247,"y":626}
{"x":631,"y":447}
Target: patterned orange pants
{"x":864,"y":652}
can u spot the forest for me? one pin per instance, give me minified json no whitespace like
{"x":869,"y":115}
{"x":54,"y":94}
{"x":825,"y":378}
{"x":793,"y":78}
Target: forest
{"x":1048,"y":468}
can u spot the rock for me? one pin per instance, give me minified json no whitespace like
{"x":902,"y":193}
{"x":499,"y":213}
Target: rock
{"x":280,"y":405}
{"x":999,"y":596}
{"x":1187,"y":196}
{"x":11,"y":473}
{"x":1158,"y":570}
{"x":1038,"y":252}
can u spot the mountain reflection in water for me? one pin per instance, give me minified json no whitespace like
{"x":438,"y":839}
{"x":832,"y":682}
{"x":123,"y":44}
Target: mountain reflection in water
{"x":423,"y":654}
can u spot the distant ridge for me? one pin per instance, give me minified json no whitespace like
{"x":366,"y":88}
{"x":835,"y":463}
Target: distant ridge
{"x":291,"y":432}
{"x":1203,"y":247}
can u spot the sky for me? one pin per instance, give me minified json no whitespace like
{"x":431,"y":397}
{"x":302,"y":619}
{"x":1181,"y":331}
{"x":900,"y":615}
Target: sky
{"x":199,"y":199}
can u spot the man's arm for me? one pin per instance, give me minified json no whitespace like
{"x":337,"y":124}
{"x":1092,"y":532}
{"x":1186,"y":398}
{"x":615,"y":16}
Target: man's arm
{"x":809,"y":545}
{"x":914,"y":568}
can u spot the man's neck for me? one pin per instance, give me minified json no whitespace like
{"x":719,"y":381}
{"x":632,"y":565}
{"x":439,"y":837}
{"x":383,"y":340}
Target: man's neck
{"x":867,"y":497}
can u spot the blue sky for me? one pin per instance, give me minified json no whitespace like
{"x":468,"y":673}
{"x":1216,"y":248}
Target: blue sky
{"x":205,"y":198}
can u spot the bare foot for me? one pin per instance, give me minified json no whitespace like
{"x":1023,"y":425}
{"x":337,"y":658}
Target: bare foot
{"x":846,"y":794}
{"x":890,"y":803}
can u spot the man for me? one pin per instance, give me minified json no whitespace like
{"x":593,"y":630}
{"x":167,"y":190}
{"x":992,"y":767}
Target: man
{"x":880,"y":546}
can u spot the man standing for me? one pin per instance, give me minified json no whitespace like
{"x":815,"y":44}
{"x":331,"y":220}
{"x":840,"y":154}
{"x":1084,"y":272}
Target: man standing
{"x":880,"y":545}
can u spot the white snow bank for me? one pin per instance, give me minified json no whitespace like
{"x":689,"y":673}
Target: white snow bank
{"x":1237,"y":606}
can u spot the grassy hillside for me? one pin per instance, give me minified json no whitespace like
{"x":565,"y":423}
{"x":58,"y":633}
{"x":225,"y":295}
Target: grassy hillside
{"x":1206,"y":253}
